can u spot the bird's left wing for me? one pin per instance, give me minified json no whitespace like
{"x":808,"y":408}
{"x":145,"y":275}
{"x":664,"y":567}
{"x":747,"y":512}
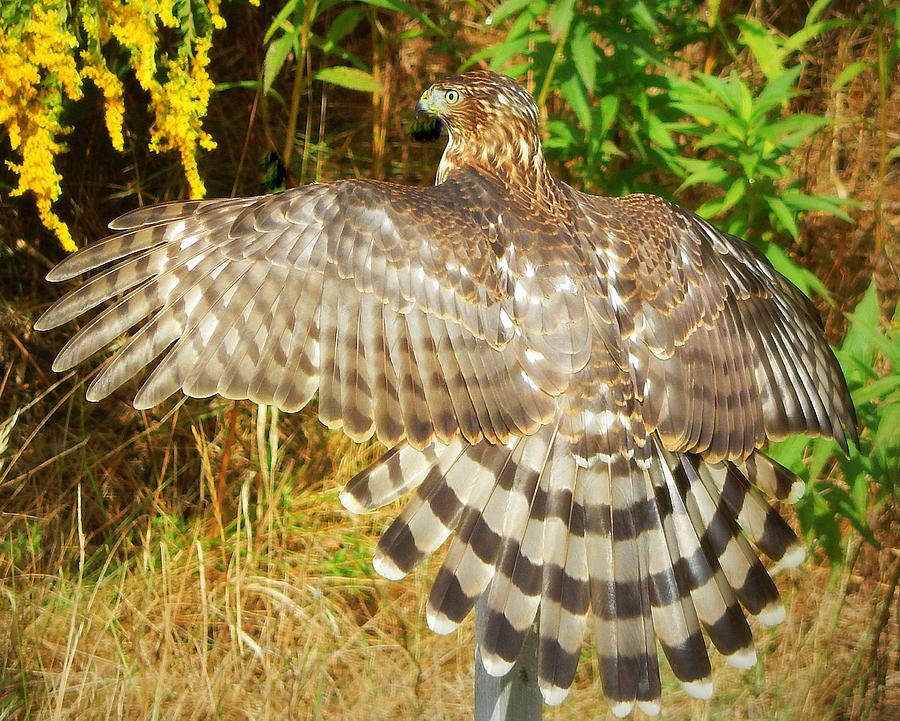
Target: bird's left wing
{"x":384,"y":298}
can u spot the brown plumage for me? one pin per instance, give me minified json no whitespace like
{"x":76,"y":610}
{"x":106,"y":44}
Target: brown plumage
{"x":574,"y":388}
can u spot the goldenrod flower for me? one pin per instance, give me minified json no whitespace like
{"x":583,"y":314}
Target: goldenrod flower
{"x":39,"y":67}
{"x":218,"y":21}
{"x":44,"y":66}
{"x":133,"y":25}
{"x":114,"y":104}
{"x":180,"y":105}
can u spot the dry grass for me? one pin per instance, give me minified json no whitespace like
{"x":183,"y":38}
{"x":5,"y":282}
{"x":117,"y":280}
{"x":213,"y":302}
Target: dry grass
{"x":194,"y":562}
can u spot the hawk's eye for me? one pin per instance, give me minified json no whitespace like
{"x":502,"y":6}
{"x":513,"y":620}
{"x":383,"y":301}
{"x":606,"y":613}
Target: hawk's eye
{"x":451,"y":97}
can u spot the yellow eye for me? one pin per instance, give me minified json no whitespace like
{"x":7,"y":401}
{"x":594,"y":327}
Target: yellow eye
{"x":451,"y":97}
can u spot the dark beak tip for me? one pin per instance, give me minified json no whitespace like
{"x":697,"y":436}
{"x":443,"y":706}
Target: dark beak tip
{"x":427,"y":125}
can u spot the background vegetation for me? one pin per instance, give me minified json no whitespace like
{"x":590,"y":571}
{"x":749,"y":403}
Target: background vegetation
{"x":193,"y":561}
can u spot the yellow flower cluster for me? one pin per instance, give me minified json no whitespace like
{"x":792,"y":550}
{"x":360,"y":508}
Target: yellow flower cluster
{"x":180,"y":105}
{"x":44,"y":67}
{"x":96,"y":71}
{"x":134,"y":25}
{"x":217,"y":20}
{"x":38,"y":67}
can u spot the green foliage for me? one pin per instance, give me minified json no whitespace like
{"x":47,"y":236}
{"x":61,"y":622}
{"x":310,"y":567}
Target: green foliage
{"x":745,"y":144}
{"x":628,"y":121}
{"x":748,"y":144}
{"x":606,"y":63}
{"x":870,"y":357}
{"x":293,"y":32}
{"x":770,"y":50}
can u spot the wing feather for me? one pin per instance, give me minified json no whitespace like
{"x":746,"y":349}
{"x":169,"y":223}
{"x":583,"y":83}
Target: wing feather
{"x":224,"y":273}
{"x":736,"y":353}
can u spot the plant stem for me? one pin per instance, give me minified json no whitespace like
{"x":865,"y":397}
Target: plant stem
{"x":551,"y":68}
{"x":883,"y":84}
{"x":309,"y":11}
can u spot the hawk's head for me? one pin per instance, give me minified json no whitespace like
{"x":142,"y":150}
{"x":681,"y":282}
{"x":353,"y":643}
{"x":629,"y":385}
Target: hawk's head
{"x":492,"y":123}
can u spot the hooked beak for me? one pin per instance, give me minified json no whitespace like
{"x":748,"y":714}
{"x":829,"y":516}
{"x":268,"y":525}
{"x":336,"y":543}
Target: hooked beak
{"x":423,"y":107}
{"x":427,"y":124}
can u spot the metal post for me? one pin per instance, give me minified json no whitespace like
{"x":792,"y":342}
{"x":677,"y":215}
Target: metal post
{"x":515,"y":696}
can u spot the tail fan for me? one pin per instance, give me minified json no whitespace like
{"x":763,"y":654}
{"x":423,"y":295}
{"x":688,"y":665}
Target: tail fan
{"x":664,"y":553}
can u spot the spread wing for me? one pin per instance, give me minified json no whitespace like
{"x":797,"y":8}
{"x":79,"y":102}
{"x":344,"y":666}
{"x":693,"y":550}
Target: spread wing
{"x":621,"y":358}
{"x":724,"y":352}
{"x":385,"y":299}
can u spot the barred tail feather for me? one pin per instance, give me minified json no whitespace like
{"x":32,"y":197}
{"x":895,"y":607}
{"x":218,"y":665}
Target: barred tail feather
{"x":565,"y":594}
{"x":440,"y":503}
{"x":515,"y":590}
{"x":666,"y":552}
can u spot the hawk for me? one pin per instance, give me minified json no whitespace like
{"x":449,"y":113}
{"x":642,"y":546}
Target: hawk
{"x":574,"y":389}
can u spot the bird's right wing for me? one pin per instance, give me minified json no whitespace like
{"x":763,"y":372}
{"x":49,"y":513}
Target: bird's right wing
{"x":726,"y":353}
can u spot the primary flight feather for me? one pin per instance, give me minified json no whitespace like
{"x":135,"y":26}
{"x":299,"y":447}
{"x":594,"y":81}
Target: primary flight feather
{"x":574,"y":388}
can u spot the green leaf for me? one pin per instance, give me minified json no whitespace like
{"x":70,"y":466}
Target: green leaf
{"x":643,"y":15}
{"x":609,"y":111}
{"x":784,"y":215}
{"x":821,"y":203}
{"x":789,"y":452}
{"x":518,"y":70}
{"x":351,"y":78}
{"x":690,"y":91}
{"x":843,"y":505}
{"x":276,"y":55}
{"x":343,"y":25}
{"x":573,"y":92}
{"x":659,"y":133}
{"x":818,"y":517}
{"x":822,"y":450}
{"x":734,"y":194}
{"x":279,"y":21}
{"x":798,"y":40}
{"x":524,"y":23}
{"x":584,"y":55}
{"x":794,"y":129}
{"x":745,"y":101}
{"x":561,"y":137}
{"x":866,"y":313}
{"x":706,"y":172}
{"x":560,"y":18}
{"x":748,"y":163}
{"x":511,"y":48}
{"x":877,"y":389}
{"x":887,"y":346}
{"x":805,"y":281}
{"x":777,"y":92}
{"x":710,"y":113}
{"x":711,"y":209}
{"x":886,"y":442}
{"x":505,"y":10}
{"x":763,"y":45}
{"x":723,"y":141}
{"x":610,"y":149}
{"x":722,"y":89}
{"x":849,"y":74}
{"x":816,"y":10}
